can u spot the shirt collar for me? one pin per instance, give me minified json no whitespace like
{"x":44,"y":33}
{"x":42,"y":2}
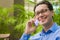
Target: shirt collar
{"x":53,"y":28}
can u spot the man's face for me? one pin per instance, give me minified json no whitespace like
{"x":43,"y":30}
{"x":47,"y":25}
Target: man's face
{"x":43,"y":14}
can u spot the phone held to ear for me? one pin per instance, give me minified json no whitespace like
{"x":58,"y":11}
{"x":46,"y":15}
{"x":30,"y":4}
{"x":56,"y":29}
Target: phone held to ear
{"x":36,"y":23}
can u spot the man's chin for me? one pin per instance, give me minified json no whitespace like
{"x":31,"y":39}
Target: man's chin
{"x":42,"y":23}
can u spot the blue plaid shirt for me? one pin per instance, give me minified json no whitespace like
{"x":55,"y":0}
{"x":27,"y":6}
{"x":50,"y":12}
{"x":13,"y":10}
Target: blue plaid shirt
{"x":52,"y":34}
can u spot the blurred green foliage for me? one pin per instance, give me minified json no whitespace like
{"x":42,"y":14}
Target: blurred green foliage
{"x":5,"y":20}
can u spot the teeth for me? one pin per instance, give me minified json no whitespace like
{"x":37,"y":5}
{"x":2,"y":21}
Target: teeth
{"x":44,"y":17}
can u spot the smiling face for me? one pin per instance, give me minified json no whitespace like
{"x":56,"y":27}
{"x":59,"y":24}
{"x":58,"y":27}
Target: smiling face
{"x":43,"y":14}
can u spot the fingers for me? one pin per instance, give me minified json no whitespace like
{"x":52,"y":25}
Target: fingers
{"x":29,"y":29}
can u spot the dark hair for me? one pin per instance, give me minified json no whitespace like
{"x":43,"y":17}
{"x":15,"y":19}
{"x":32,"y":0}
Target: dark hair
{"x":44,"y":2}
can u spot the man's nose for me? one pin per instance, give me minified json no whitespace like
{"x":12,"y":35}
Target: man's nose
{"x":40,"y":15}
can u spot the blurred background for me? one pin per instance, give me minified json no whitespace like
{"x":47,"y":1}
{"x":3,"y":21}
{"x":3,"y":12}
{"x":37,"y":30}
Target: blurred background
{"x":15,"y":13}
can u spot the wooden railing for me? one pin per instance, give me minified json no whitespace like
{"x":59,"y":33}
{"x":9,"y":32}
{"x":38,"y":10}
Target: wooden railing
{"x":5,"y":36}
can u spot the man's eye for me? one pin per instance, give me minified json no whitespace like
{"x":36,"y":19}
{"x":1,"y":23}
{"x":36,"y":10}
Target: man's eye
{"x":38,"y":13}
{"x":43,"y":11}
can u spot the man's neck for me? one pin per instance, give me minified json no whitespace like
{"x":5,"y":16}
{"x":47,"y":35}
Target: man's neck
{"x":46,"y":27}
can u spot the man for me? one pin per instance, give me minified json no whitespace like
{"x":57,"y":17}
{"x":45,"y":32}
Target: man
{"x":44,"y":14}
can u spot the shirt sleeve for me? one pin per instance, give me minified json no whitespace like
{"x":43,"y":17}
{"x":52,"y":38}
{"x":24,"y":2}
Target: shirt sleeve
{"x":25,"y":36}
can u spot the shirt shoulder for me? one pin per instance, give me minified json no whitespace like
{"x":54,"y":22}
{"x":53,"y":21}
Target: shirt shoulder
{"x":57,"y":33}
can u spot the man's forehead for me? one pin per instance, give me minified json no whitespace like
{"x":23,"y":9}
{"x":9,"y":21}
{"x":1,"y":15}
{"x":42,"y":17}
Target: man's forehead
{"x":40,"y":7}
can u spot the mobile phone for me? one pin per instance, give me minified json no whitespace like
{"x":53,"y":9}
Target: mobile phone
{"x":36,"y":23}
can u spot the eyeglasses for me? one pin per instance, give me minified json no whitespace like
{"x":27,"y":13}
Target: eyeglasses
{"x":42,"y":11}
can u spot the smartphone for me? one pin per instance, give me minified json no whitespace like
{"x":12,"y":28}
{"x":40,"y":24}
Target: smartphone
{"x":36,"y":23}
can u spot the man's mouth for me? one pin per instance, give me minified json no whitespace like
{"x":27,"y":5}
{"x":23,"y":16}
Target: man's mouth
{"x":42,"y":18}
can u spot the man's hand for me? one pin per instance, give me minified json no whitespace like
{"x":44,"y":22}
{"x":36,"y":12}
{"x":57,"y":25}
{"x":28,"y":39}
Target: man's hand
{"x":29,"y":29}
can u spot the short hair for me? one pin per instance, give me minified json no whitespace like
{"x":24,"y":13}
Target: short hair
{"x":49,"y":5}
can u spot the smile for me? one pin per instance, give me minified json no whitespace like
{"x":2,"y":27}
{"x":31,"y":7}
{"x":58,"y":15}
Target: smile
{"x":42,"y":18}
